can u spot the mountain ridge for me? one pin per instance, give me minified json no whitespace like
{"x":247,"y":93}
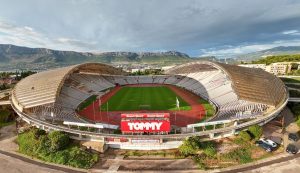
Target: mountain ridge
{"x":279,"y":50}
{"x":12,"y":54}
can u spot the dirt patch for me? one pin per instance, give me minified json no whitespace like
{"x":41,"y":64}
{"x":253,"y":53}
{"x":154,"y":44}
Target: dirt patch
{"x":8,"y":137}
{"x":179,"y":164}
{"x":226,"y":147}
{"x":257,"y":153}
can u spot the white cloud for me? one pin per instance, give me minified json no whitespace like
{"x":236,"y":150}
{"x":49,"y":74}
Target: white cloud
{"x":291,"y":32}
{"x":235,"y":50}
{"x":134,"y":25}
{"x":28,"y":28}
{"x":28,"y":36}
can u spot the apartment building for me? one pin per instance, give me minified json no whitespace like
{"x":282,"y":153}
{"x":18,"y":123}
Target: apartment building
{"x":279,"y":68}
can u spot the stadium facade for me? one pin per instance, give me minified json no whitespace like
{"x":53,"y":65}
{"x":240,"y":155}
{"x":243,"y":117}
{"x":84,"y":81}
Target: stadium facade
{"x":242,"y":97}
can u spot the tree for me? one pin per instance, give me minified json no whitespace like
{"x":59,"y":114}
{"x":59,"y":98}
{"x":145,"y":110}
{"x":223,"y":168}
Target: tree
{"x":245,"y":136}
{"x":52,"y":147}
{"x":256,"y":131}
{"x":298,"y":122}
{"x":37,"y":133}
{"x":44,"y":146}
{"x":59,"y":140}
{"x":189,"y":146}
{"x":294,"y":66}
{"x":4,"y":116}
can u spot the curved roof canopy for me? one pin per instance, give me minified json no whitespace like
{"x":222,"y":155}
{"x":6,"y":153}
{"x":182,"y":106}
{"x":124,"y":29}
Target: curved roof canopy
{"x":44,"y":87}
{"x":249,"y":84}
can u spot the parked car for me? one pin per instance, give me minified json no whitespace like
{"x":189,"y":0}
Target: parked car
{"x":293,"y":137}
{"x":269,"y":142}
{"x":264,"y":145}
{"x":292,"y":149}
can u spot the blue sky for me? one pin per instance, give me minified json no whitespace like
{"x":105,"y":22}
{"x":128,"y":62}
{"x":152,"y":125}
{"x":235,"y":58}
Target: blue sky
{"x":195,"y":27}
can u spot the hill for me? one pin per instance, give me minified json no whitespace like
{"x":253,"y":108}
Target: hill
{"x":278,"y":58}
{"x":281,"y":50}
{"x":20,"y":57}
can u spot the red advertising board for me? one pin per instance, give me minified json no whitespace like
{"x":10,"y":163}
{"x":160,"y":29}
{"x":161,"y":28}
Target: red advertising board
{"x":145,"y":126}
{"x":146,"y":115}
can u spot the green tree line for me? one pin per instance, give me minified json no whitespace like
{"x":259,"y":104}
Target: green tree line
{"x":278,"y":58}
{"x":55,"y":147}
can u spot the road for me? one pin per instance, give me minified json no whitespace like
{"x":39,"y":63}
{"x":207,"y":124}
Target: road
{"x":282,"y":165}
{"x":11,"y":163}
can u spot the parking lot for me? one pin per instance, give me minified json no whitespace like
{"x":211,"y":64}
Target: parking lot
{"x":275,"y":129}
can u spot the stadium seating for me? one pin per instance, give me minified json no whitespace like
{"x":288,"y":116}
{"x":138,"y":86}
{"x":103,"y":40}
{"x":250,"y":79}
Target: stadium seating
{"x":56,"y":113}
{"x":212,"y":85}
{"x":51,"y":99}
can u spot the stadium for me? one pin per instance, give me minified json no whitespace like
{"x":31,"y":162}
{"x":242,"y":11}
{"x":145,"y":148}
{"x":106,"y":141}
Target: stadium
{"x":98,"y":102}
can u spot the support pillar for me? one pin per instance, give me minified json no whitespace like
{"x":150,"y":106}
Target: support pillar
{"x":233,"y":132}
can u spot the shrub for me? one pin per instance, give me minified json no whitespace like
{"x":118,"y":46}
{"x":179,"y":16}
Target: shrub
{"x":54,"y":147}
{"x":210,"y":151}
{"x":298,"y":122}
{"x":186,"y":149}
{"x":59,"y":140}
{"x":44,"y":146}
{"x":192,"y":145}
{"x":209,"y":148}
{"x":28,"y":144}
{"x":245,"y":136}
{"x":37,"y":133}
{"x":256,"y":131}
{"x":199,"y":160}
{"x":189,"y":146}
{"x":241,"y":155}
{"x":4,"y":116}
{"x":238,"y":141}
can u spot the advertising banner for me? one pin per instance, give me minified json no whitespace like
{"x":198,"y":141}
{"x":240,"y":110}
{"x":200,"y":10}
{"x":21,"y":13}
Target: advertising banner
{"x":145,"y":126}
{"x":146,"y":115}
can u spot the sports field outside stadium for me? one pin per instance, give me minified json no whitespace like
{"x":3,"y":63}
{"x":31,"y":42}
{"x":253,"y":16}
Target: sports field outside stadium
{"x":144,"y":98}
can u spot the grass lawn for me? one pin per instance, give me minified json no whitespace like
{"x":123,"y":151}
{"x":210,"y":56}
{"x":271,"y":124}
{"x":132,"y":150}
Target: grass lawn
{"x":294,"y":93}
{"x":5,"y":119}
{"x":210,"y":110}
{"x":6,"y":124}
{"x":291,"y":80}
{"x":293,"y":86}
{"x":144,"y":98}
{"x":87,"y":102}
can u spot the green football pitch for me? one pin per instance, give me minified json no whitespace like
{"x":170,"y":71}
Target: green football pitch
{"x":144,"y":98}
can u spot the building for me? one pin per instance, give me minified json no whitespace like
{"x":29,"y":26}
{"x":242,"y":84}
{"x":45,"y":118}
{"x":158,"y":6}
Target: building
{"x":261,"y":66}
{"x":278,"y":68}
{"x":167,"y":67}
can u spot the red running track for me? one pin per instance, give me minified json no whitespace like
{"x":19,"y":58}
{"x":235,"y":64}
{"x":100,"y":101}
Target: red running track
{"x":178,"y":118}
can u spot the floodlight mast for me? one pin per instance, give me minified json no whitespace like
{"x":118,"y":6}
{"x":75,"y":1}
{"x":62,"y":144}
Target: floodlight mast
{"x":99,"y":98}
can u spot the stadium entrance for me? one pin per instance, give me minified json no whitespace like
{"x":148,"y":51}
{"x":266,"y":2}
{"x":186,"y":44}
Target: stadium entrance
{"x":145,"y":123}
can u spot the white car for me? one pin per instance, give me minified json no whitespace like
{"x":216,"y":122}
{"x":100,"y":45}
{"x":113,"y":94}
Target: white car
{"x":269,"y":142}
